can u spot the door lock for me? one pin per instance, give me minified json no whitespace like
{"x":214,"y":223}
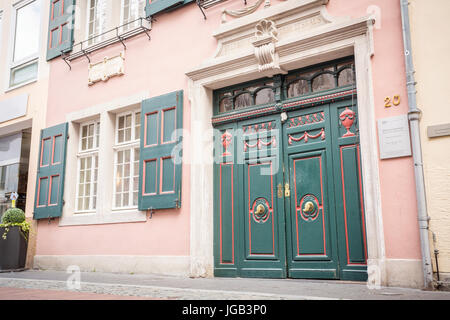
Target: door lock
{"x":287,"y":191}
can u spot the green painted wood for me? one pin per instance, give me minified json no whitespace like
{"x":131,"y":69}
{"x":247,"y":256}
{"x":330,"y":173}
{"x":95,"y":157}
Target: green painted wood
{"x":155,"y":6}
{"x":60,"y":28}
{"x":262,"y":239}
{"x":311,"y":236}
{"x":349,"y":192}
{"x":321,"y":161}
{"x":160,"y":162}
{"x":308,"y":178}
{"x":246,"y":175}
{"x":353,"y":220}
{"x":51,"y":171}
{"x":226,"y":199}
{"x":227,"y":213}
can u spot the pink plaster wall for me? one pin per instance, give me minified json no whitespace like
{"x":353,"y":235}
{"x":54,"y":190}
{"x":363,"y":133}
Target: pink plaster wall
{"x":157,"y":66}
{"x":389,"y":79}
{"x":187,"y":37}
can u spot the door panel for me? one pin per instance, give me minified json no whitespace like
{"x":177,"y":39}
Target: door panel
{"x":262,"y":211}
{"x":308,"y":193}
{"x":259,"y":227}
{"x":310,"y":214}
{"x":226,"y":198}
{"x":226,"y":202}
{"x":288,"y":197}
{"x":348,"y":192}
{"x":352,"y":204}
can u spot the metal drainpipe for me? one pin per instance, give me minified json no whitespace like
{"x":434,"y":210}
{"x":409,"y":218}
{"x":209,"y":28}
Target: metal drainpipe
{"x":414,"y":116}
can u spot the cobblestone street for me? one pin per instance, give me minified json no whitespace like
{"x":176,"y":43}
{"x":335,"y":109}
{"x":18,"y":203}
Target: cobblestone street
{"x":54,"y":285}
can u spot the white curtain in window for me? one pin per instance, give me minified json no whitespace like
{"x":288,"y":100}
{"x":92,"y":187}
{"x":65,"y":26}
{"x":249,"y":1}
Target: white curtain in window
{"x":100,"y":16}
{"x":134,"y":9}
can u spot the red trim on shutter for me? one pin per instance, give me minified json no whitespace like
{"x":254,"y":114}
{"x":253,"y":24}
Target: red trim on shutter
{"x":144,"y":174}
{"x":161,"y":169}
{"x":49,"y":204}
{"x":146,"y":145}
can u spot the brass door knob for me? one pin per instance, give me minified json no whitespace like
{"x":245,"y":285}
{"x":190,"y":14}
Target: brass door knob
{"x":260,"y":210}
{"x":309,"y":207}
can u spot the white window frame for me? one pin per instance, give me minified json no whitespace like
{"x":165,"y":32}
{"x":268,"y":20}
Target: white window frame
{"x":93,"y":152}
{"x":122,"y":11}
{"x":104,"y":28}
{"x":34,"y":58}
{"x":121,"y":146}
{"x":106,"y":112}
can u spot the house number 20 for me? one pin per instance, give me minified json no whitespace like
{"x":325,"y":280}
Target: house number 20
{"x":395,"y":101}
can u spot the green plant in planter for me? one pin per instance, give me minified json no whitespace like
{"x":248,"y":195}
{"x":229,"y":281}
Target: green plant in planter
{"x":15,"y":217}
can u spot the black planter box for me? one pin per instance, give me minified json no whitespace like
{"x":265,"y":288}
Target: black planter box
{"x":13,"y":250}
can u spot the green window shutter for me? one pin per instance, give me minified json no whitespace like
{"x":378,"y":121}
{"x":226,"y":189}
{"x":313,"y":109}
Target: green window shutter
{"x":154,"y":6}
{"x":161,"y":152}
{"x":60,"y":28}
{"x":50,"y":174}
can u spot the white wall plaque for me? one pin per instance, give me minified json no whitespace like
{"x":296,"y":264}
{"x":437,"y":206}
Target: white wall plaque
{"x":438,"y":130}
{"x":394,"y":139}
{"x":109,"y":67}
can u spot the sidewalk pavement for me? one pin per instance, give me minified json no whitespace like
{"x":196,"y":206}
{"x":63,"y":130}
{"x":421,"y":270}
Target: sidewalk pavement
{"x":59,"y":285}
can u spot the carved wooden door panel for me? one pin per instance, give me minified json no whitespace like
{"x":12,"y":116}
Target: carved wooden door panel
{"x":288,"y":198}
{"x":310,"y":208}
{"x":349,"y":198}
{"x":249,"y":210}
{"x":325,"y":212}
{"x":263,"y":216}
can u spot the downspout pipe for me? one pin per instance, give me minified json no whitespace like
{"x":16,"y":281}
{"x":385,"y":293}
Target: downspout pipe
{"x":414,"y":116}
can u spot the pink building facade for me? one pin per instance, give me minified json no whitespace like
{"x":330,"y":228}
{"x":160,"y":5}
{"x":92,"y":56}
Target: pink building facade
{"x":130,"y":208}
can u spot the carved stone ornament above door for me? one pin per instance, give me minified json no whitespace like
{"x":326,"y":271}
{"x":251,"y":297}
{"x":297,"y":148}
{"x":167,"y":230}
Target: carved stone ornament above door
{"x":274,"y":39}
{"x":266,"y":34}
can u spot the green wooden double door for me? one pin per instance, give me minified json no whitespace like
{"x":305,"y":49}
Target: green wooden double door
{"x":288,"y":198}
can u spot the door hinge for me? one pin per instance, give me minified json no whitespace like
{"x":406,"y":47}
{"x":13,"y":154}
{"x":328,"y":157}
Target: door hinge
{"x":287,"y":190}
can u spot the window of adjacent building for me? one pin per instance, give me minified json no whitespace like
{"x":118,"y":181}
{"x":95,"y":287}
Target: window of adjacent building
{"x":126,"y":163}
{"x":88,"y":167}
{"x":131,"y":10}
{"x":4,"y":201}
{"x":96,"y":18}
{"x":2,"y":178}
{"x":24,"y":66}
{"x":1,"y":14}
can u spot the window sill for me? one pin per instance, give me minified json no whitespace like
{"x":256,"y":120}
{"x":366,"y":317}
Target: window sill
{"x":114,"y":216}
{"x":124,"y":209}
{"x":21,"y":85}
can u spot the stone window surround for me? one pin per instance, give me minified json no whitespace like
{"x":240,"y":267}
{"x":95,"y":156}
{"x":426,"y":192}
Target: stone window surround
{"x":336,"y":38}
{"x":105,"y":213}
